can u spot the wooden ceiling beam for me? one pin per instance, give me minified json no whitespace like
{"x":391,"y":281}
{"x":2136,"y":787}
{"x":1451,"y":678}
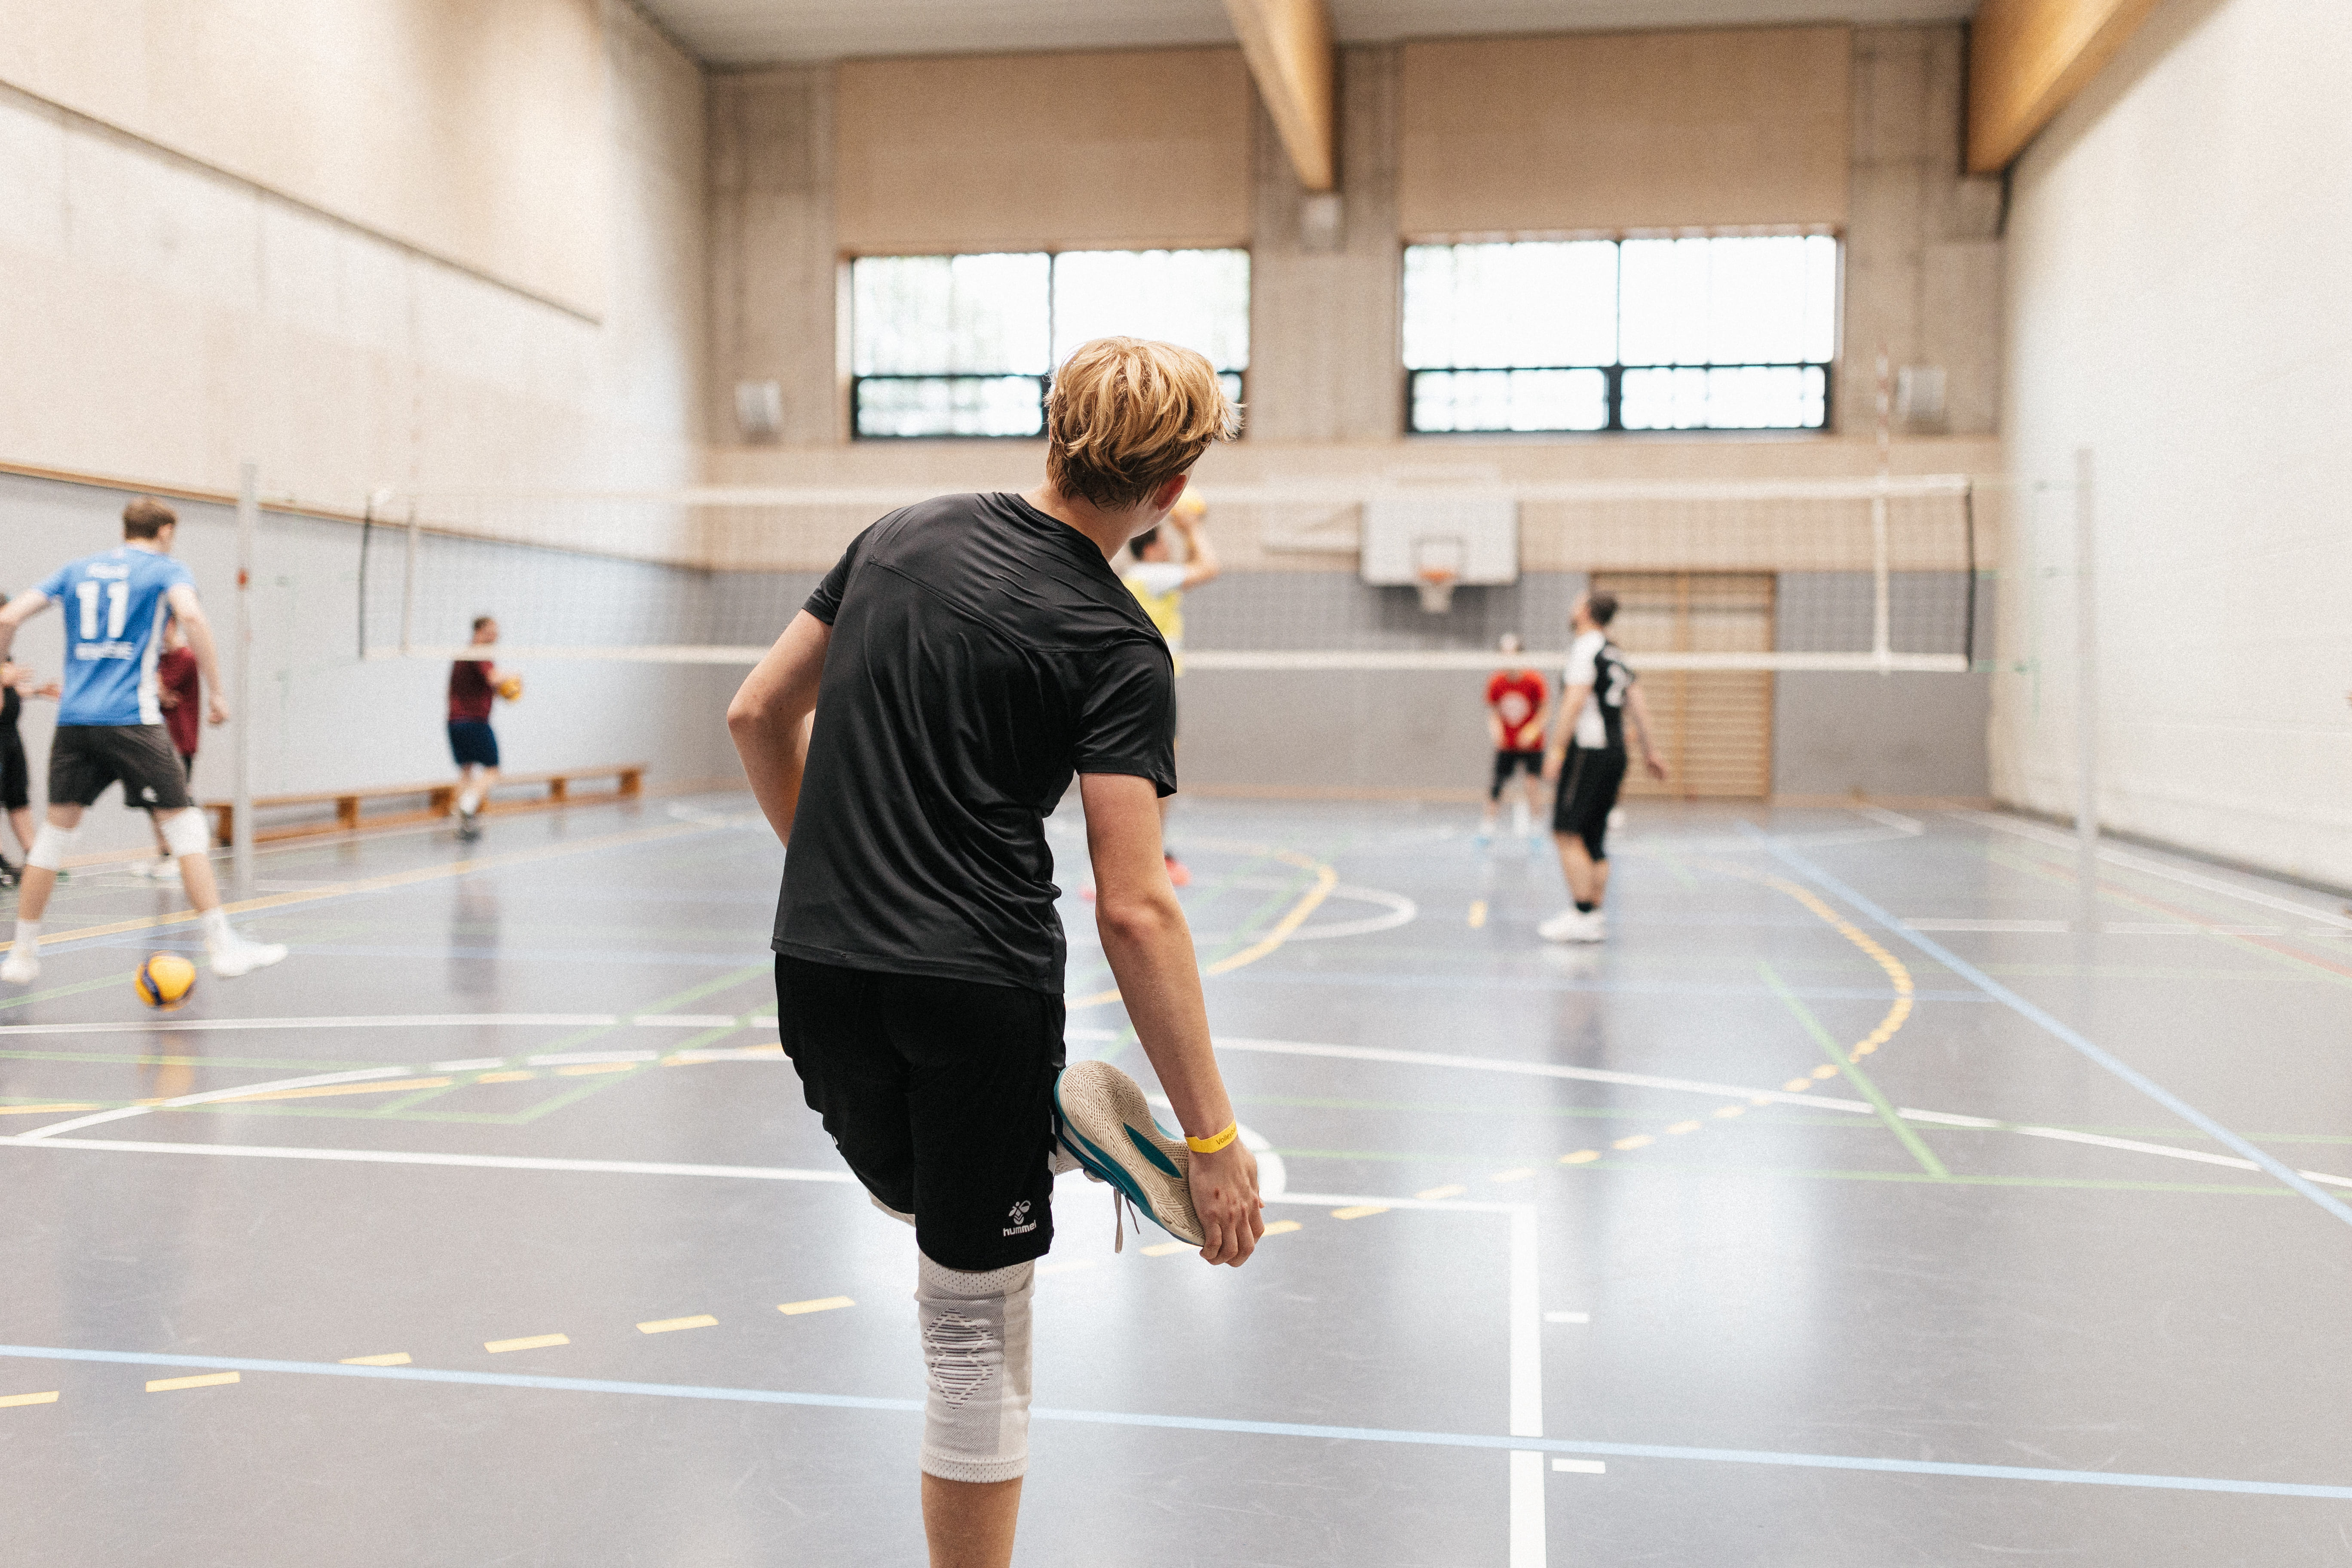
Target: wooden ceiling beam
{"x":2027,"y":60}
{"x":1288,"y":46}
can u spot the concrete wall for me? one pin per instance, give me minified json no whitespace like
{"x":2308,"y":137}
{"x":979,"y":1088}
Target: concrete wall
{"x":163,"y":321}
{"x":323,"y":720}
{"x":2176,"y":251}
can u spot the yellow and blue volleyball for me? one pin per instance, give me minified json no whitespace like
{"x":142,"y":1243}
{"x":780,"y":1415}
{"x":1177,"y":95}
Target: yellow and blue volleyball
{"x":164,"y":980}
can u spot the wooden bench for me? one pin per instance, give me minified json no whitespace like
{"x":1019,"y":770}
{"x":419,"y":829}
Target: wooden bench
{"x":440,"y":801}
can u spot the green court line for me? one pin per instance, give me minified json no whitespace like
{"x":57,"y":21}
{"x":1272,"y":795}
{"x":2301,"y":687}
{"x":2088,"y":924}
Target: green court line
{"x":75,"y":989}
{"x":1853,"y":1074}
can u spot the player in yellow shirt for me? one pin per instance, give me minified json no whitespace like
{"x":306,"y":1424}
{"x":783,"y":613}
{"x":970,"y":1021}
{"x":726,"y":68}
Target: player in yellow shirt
{"x":1159,"y":582}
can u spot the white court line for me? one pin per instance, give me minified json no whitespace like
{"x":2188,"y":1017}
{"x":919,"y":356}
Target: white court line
{"x":1753,"y":1096}
{"x":1524,"y":1379}
{"x":2114,"y":857}
{"x":121,"y":1112}
{"x":167,"y":1024}
{"x":577,"y":1058}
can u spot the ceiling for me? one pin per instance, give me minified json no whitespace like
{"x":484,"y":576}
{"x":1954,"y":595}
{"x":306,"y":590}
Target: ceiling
{"x":756,"y":32}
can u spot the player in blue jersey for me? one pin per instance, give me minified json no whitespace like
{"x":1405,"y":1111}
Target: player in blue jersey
{"x":111,"y":725}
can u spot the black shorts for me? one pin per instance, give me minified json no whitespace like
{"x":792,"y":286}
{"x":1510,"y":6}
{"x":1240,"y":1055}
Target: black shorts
{"x":86,"y":758}
{"x":1587,"y":792}
{"x":939,"y":1095}
{"x":473,"y":743}
{"x":16,"y":773}
{"x":1509,"y":763}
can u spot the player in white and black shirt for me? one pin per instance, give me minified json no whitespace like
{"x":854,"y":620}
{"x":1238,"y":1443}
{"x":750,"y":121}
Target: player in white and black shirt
{"x":1588,"y":756}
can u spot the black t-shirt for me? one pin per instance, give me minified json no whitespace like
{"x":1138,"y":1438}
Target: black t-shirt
{"x":981,"y":654}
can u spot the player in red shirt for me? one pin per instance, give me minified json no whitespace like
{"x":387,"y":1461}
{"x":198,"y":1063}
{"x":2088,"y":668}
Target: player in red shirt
{"x":473,"y":683}
{"x":1515,"y":722}
{"x":181,"y":695}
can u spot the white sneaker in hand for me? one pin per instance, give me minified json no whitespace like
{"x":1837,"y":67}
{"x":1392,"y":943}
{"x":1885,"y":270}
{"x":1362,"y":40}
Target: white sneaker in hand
{"x":239,"y":956}
{"x":22,"y":967}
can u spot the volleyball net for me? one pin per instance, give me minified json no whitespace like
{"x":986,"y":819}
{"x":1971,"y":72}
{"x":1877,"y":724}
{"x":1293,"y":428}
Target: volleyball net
{"x":1854,"y":574}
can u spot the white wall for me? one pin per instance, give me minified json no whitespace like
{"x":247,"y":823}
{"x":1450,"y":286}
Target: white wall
{"x":163,"y":320}
{"x":2178,"y":245}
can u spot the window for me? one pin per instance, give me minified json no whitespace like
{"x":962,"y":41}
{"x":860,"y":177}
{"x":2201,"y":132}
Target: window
{"x":1726,"y":333}
{"x":965,"y":345}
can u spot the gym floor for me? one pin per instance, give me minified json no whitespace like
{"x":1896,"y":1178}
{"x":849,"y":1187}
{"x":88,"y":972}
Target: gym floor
{"x":1861,"y":1202}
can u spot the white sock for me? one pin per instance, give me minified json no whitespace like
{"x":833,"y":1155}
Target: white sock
{"x":470,"y":802}
{"x":29,"y":934}
{"x":217,"y":931}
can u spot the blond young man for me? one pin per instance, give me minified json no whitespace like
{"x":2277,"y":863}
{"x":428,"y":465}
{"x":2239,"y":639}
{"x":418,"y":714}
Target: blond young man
{"x":907,"y":735}
{"x":111,"y":725}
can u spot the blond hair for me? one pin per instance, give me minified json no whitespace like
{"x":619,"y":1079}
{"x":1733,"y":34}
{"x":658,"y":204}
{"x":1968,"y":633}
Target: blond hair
{"x":1126,"y":415}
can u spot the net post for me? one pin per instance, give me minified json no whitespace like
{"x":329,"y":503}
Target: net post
{"x":1882,"y":608}
{"x":2086,"y":689}
{"x":408,"y":584}
{"x":249,"y":509}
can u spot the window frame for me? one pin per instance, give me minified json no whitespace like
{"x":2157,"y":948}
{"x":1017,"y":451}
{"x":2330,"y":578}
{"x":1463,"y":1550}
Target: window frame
{"x":1239,"y":378}
{"x":1614,"y":374}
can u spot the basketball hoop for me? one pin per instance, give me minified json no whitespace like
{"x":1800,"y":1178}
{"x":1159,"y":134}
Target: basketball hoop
{"x":1435,"y":584}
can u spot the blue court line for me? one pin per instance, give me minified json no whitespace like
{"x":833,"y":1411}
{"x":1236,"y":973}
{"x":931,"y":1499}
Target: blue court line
{"x":1211,"y":1423}
{"x":2023,"y":1008}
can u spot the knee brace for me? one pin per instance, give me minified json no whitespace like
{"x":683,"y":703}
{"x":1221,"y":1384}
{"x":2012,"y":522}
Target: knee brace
{"x":975,"y":1330}
{"x":186,"y":833}
{"x":51,"y":844}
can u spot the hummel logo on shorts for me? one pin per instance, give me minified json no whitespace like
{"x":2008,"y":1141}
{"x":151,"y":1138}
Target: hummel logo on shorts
{"x":1021,"y":1224}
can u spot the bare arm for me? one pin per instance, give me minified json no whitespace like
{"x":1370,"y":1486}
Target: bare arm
{"x":1150,"y":952}
{"x":189,"y":613}
{"x":16,"y":612}
{"x":1201,"y":565}
{"x":768,"y":719}
{"x":1637,"y":709}
{"x":1494,"y":728}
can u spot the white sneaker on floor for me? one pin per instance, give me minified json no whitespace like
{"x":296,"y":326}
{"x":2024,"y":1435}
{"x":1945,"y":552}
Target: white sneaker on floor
{"x":239,"y":956}
{"x":22,"y":967}
{"x":1573,"y":925}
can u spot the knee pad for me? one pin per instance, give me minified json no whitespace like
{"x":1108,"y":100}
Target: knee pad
{"x":975,"y":1331}
{"x":187,"y":833}
{"x":51,"y":844}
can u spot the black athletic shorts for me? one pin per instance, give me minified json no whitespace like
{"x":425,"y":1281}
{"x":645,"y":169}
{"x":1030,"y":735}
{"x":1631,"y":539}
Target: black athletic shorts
{"x":86,"y":758}
{"x":16,"y":773}
{"x":939,"y":1095}
{"x":473,"y":742}
{"x":1509,"y":763}
{"x":1587,"y":792}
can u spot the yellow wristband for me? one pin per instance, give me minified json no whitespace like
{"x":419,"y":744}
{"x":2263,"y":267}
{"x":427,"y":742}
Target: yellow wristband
{"x":1210,"y":1145}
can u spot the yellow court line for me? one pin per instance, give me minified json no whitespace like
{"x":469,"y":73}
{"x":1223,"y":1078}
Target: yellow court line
{"x":1326,"y":879}
{"x":8,"y":1400}
{"x":1477,"y":913}
{"x":1162,"y":1248}
{"x":671,"y":1325}
{"x":37,"y":1109}
{"x":822,"y":1304}
{"x":376,"y":884}
{"x":583,"y":1069}
{"x":527,"y":1342}
{"x":1282,"y":1227}
{"x":397,"y":1358}
{"x":1360,"y":1211}
{"x":208,"y":1380}
{"x":318,"y":1092}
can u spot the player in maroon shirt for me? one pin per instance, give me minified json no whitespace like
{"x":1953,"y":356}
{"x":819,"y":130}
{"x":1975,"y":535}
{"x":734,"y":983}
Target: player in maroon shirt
{"x":181,"y":693}
{"x":473,"y":685}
